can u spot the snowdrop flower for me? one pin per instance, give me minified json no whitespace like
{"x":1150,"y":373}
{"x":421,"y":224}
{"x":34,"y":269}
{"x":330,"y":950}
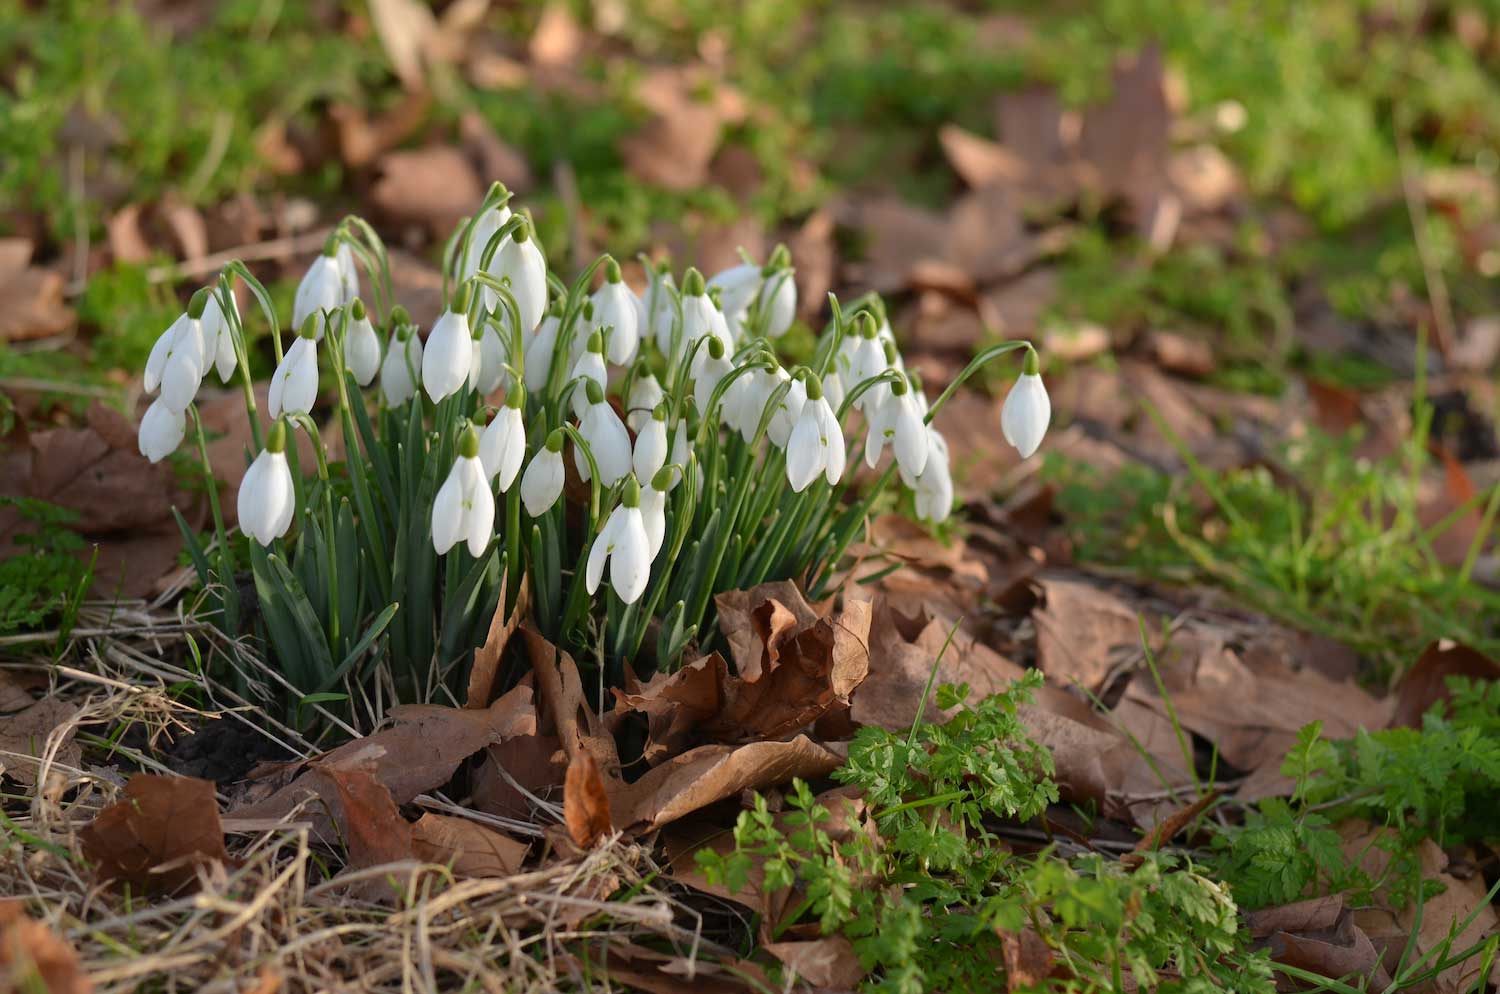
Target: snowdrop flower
{"x":607,"y":439}
{"x":267,"y":498}
{"x":710,"y":365}
{"x":777,"y":302}
{"x":833,"y":387}
{"x":590,"y":366}
{"x":654,"y":507}
{"x":294,"y":385}
{"x":321,"y":289}
{"x":752,"y":401}
{"x":464,"y":508}
{"x":348,"y":273}
{"x":898,"y":421}
{"x":867,"y":359}
{"x":816,"y":444}
{"x":682,"y":454}
{"x":520,"y":261}
{"x":737,"y":288}
{"x":538,"y":348}
{"x":218,"y":335}
{"x":176,"y":362}
{"x":402,"y":370}
{"x":655,"y":310}
{"x":651,"y":445}
{"x":1027,"y":410}
{"x":623,"y":545}
{"x":449,"y":355}
{"x":697,"y":314}
{"x":789,"y":410}
{"x":486,"y":227}
{"x":503,"y":444}
{"x":645,"y":394}
{"x":542,"y":483}
{"x":488,"y":373}
{"x":361,"y":346}
{"x":614,"y":309}
{"x":933,"y":490}
{"x":161,"y":431}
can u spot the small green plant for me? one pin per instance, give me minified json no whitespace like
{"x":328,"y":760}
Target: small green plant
{"x":46,"y":579}
{"x":927,"y":888}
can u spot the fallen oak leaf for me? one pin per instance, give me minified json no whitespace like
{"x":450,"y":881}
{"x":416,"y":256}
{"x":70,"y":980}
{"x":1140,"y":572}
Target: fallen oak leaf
{"x":467,"y":847}
{"x":754,"y":622}
{"x":158,"y":835}
{"x":369,"y":821}
{"x":585,"y":801}
{"x":827,"y":962}
{"x":33,"y":958}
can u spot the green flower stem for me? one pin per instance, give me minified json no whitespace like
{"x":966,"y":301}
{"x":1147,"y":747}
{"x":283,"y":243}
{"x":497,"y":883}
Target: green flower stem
{"x":594,"y":484}
{"x":228,"y":599}
{"x":993,"y":352}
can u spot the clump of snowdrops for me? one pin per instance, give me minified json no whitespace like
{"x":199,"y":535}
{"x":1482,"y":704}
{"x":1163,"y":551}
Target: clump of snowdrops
{"x":628,"y":455}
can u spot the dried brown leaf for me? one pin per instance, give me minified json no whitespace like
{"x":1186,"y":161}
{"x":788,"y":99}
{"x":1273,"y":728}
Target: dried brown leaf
{"x":755,"y":622}
{"x":363,"y":139}
{"x":157,"y":836}
{"x":1426,"y":683}
{"x":35,"y":732}
{"x":1028,"y":958}
{"x":485,"y":669}
{"x":676,"y":704}
{"x":1083,"y":632}
{"x":34,"y":959}
{"x":828,"y":962}
{"x":471,"y":849}
{"x":557,"y":40}
{"x":585,"y":803}
{"x":435,"y":185}
{"x":497,"y":158}
{"x":370,"y":824}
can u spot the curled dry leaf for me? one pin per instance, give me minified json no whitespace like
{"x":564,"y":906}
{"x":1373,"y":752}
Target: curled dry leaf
{"x":756,"y":621}
{"x":41,"y":734}
{"x":585,"y":802}
{"x":31,"y":298}
{"x":824,"y":963}
{"x":158,"y":835}
{"x":435,"y":185}
{"x":1028,"y":958}
{"x":34,"y":959}
{"x":469,"y":848}
{"x":1426,"y":683}
{"x":712,"y":773}
{"x":485,"y":669}
{"x":1083,"y":633}
{"x":676,"y":704}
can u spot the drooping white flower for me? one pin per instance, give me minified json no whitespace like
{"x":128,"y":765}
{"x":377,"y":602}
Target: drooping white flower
{"x":623,"y":545}
{"x":607,"y":440}
{"x":1027,"y":410}
{"x":449,"y":354}
{"x":710,"y":365}
{"x":218,"y":335}
{"x":489,"y":374}
{"x":933,"y":490}
{"x":294,"y":385}
{"x":752,"y":399}
{"x":538,"y":348}
{"x":321,"y":289}
{"x":788,"y":411}
{"x":520,"y":261}
{"x":697,"y":315}
{"x":833,"y":387}
{"x":401,"y":372}
{"x":737,"y":288}
{"x":464,"y":509}
{"x":486,"y":227}
{"x":503,"y":444}
{"x":542,"y":483}
{"x":651,"y":445}
{"x":361,"y":345}
{"x":267,"y":498}
{"x":656,"y":309}
{"x":161,"y":431}
{"x":654,"y":507}
{"x":816,"y":444}
{"x":176,"y":362}
{"x":348,"y":273}
{"x":590,"y":366}
{"x":682,"y":455}
{"x":898,"y":421}
{"x":615,"y":313}
{"x":777,"y":302}
{"x":645,"y":394}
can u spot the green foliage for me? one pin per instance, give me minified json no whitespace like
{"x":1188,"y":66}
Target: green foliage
{"x":1353,"y":559}
{"x":926,"y":888}
{"x":39,"y":583}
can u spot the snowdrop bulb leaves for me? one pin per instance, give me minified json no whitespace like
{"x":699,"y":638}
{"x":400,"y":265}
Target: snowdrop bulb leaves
{"x":521,"y":262}
{"x":321,"y":289}
{"x":609,"y":443}
{"x":1026,"y":413}
{"x":267,"y":499}
{"x":218,"y":336}
{"x":650,"y":449}
{"x":503,"y":446}
{"x":402,"y":369}
{"x":294,"y":385}
{"x":539,"y":346}
{"x":614,"y":308}
{"x":362,"y":349}
{"x":542,"y":483}
{"x":645,"y":394}
{"x":161,"y":431}
{"x":448,"y":356}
